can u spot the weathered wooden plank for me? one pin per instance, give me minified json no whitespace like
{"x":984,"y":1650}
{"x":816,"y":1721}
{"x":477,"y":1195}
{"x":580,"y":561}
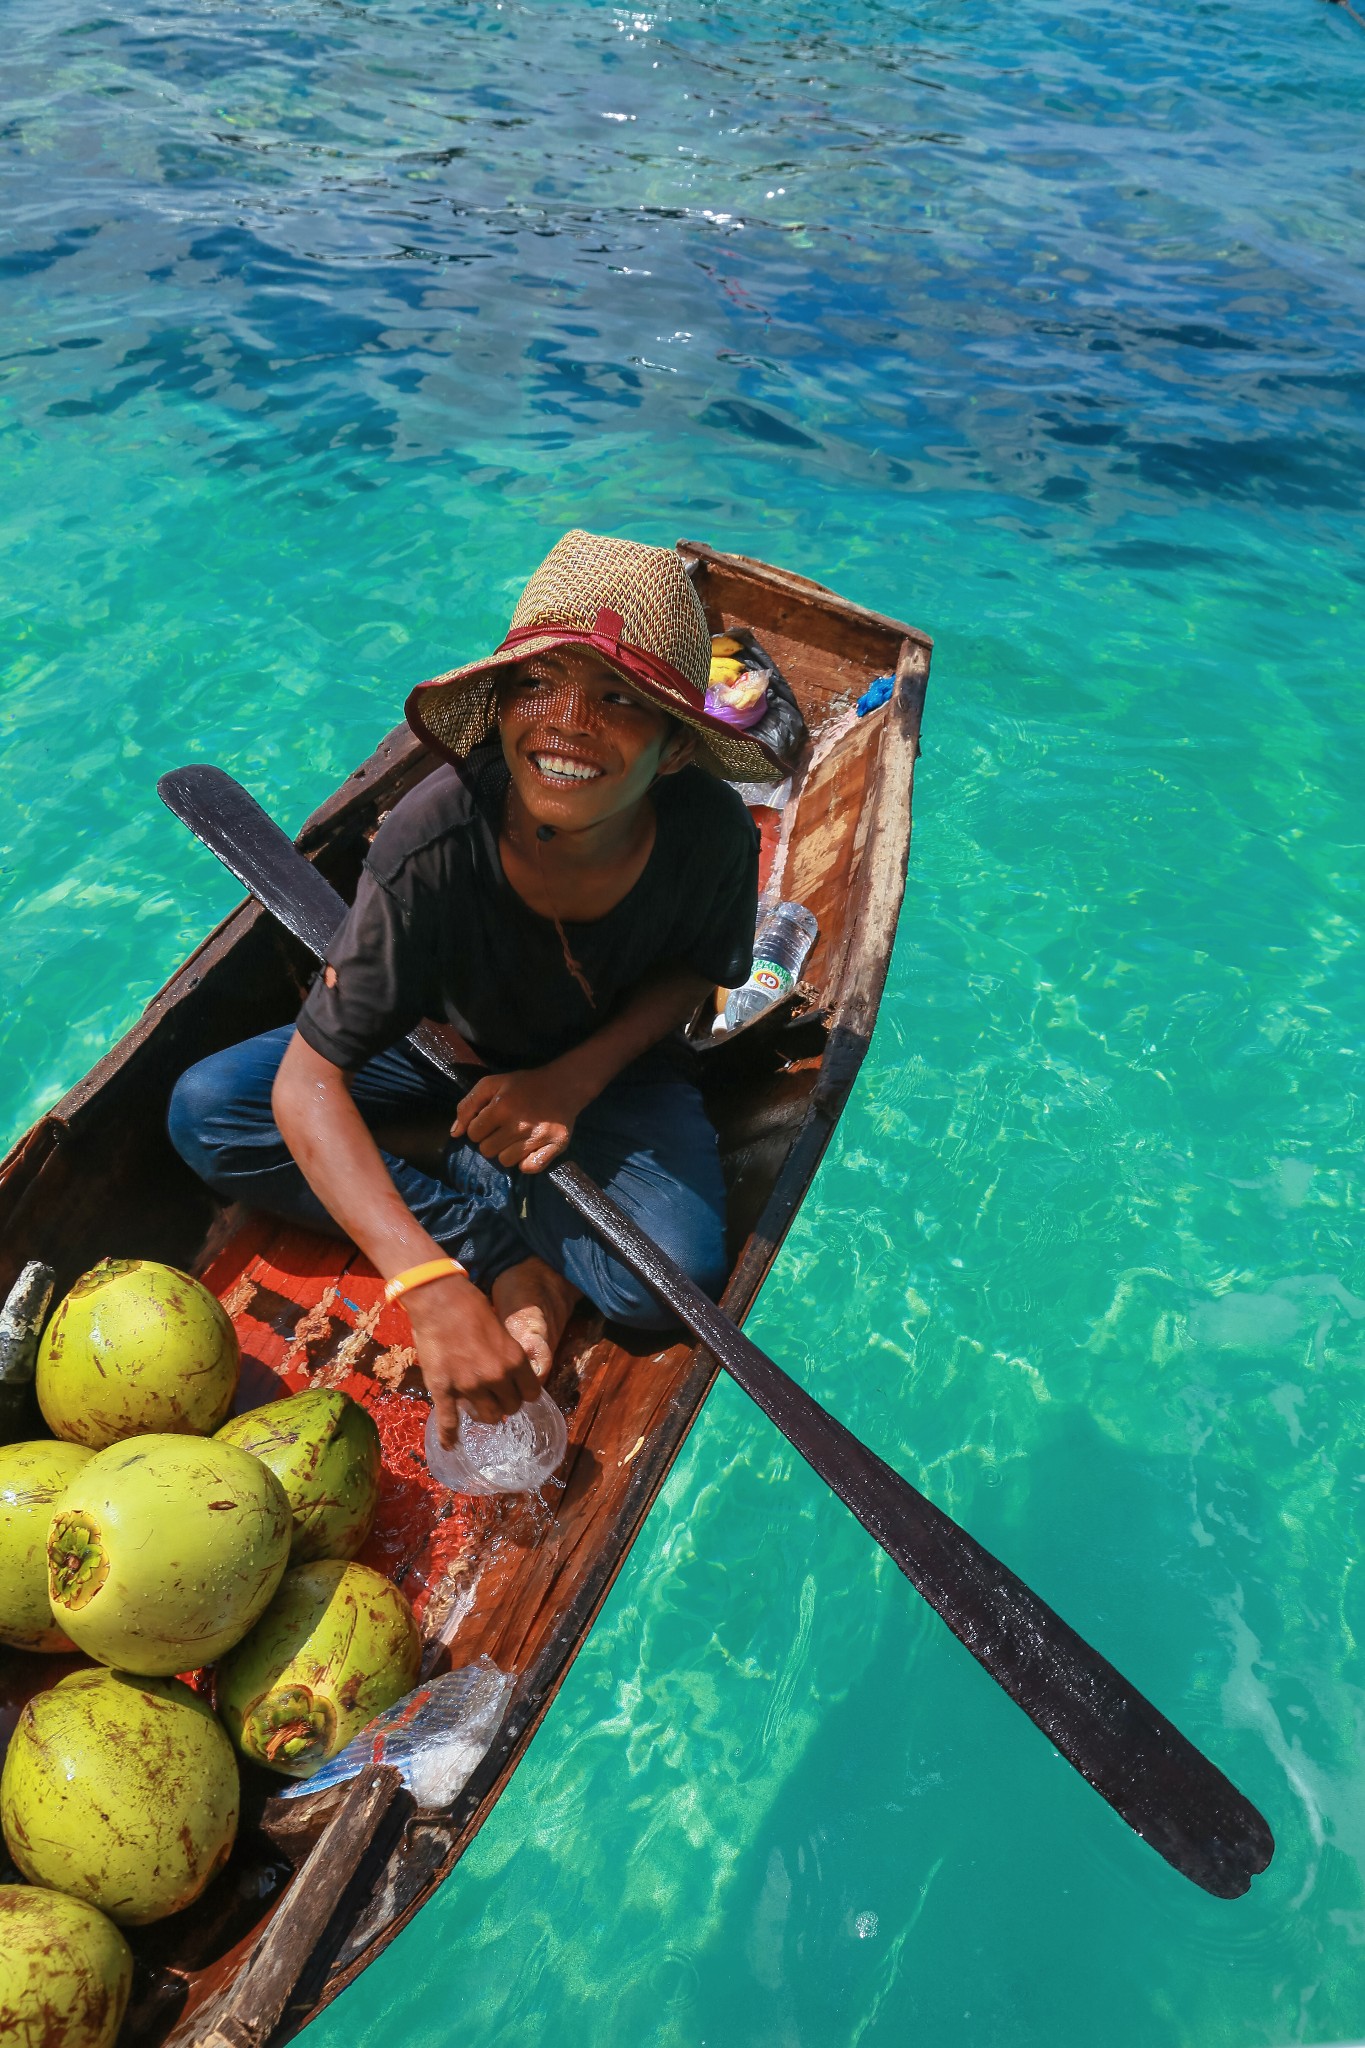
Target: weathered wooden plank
{"x":817,"y":596}
{"x":296,"y":1943}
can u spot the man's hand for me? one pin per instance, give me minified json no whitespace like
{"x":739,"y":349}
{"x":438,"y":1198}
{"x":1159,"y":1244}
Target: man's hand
{"x":523,"y":1119}
{"x":466,"y":1355}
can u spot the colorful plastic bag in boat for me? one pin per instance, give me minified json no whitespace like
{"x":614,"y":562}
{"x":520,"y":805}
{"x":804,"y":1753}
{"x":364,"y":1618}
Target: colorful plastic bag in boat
{"x":772,"y":715}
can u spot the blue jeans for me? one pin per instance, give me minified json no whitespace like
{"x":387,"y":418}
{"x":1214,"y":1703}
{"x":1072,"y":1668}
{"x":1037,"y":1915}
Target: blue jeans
{"x":646,"y":1140}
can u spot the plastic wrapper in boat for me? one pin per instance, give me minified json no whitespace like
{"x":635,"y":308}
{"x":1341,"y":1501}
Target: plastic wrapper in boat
{"x":435,"y":1736}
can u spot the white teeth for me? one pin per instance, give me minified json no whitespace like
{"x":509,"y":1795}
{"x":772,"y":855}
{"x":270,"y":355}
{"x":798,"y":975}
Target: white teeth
{"x":565,"y":770}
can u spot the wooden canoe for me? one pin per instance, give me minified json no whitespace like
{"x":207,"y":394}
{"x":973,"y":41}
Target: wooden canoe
{"x":317,"y":1887}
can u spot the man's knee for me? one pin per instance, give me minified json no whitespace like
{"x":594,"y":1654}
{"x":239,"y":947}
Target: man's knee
{"x":217,"y":1104}
{"x":687,"y":1223}
{"x":196,"y":1100}
{"x":624,"y":1299}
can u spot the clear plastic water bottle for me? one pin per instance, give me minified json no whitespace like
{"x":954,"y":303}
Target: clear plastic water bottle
{"x":781,"y":948}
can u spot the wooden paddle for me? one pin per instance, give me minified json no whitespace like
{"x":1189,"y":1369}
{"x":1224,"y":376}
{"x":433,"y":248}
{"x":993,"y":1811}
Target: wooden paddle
{"x":1168,"y":1793}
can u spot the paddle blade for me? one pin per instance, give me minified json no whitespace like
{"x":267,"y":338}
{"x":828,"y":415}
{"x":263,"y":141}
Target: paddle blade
{"x":1137,"y":1760}
{"x":256,"y":850}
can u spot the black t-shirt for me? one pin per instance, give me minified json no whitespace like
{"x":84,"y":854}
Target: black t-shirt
{"x":437,"y":930}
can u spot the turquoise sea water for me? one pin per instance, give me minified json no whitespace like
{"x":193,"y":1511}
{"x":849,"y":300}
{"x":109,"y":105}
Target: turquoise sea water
{"x":1041,"y":327}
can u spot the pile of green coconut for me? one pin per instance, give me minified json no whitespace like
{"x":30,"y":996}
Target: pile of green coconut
{"x":159,"y":1539}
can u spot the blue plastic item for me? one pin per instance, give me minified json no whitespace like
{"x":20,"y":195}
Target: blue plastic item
{"x":876,"y":694}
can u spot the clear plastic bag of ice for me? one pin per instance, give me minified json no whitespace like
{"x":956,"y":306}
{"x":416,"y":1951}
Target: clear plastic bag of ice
{"x":515,"y":1455}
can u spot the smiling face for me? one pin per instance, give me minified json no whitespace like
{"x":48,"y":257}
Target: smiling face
{"x":581,"y":747}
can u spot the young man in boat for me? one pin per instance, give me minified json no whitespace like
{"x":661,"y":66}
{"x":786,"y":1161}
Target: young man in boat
{"x":560,"y":898}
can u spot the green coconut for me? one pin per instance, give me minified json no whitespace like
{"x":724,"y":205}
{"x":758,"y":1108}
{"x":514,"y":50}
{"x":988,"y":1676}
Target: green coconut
{"x":337,"y":1645}
{"x":121,"y":1791}
{"x":164,"y":1550}
{"x":136,"y":1348}
{"x":65,"y":1971}
{"x":323,"y":1448}
{"x":31,"y":1478}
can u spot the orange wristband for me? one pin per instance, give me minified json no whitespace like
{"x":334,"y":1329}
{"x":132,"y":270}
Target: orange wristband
{"x":418,"y":1276}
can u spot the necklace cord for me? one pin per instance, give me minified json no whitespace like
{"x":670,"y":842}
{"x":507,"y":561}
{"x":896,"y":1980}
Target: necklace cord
{"x":571,"y":965}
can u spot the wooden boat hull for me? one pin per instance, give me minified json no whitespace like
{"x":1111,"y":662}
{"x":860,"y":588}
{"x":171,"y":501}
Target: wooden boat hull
{"x":518,"y":1582}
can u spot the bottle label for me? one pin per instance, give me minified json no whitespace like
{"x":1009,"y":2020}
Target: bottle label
{"x":772,"y":977}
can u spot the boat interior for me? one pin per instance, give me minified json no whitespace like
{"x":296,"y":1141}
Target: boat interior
{"x":515,"y":1579}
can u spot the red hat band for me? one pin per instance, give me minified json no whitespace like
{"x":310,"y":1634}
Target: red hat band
{"x":635,"y":608}
{"x":605,"y":638}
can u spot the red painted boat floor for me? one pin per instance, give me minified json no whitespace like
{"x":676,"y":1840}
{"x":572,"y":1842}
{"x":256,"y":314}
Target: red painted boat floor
{"x":309,"y":1311}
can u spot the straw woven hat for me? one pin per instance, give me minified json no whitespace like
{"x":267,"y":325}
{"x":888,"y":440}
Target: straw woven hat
{"x":631,"y":606}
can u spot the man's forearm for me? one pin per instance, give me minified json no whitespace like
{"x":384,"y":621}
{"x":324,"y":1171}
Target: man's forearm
{"x":526,"y":1119}
{"x":342,"y":1163}
{"x":659,"y":1005}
